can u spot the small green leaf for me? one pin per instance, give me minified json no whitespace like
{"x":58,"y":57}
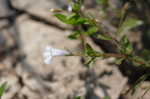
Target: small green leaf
{"x":72,"y":19}
{"x":106,"y":97}
{"x":75,"y":19}
{"x":76,"y":7}
{"x":82,"y":21}
{"x":129,"y":24}
{"x":136,"y":60}
{"x":126,"y":46}
{"x":89,"y":61}
{"x":104,"y":37}
{"x":61,"y":17}
{"x":102,"y":2}
{"x":91,"y":55}
{"x":89,"y":51}
{"x":119,"y":61}
{"x":74,"y":35}
{"x":78,"y":97}
{"x":92,"y":30}
{"x":2,"y":89}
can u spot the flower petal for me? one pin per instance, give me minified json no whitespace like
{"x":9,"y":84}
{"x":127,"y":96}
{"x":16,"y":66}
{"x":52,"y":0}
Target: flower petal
{"x":58,"y":52}
{"x":69,"y":8}
{"x":47,"y":60}
{"x":49,"y":52}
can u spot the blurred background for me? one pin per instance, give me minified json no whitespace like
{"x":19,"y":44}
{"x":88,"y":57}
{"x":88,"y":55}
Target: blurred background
{"x":28,"y":26}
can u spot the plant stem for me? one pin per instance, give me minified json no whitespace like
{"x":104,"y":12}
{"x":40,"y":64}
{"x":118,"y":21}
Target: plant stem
{"x":116,"y":55}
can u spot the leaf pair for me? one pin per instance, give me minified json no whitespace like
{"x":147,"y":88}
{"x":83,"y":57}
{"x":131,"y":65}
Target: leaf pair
{"x":76,"y":34}
{"x":73,"y":19}
{"x":91,"y":55}
{"x":89,"y":51}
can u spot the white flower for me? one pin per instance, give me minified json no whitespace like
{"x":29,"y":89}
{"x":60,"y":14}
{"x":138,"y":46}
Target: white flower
{"x":69,"y":8}
{"x":50,"y":52}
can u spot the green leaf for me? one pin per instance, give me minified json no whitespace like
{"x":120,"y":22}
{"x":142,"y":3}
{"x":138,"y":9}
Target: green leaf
{"x":145,"y":54}
{"x":126,"y":46}
{"x":104,"y":37}
{"x":78,"y":97}
{"x":74,"y":35}
{"x":136,"y":60}
{"x":89,"y":51}
{"x":73,"y":19}
{"x":81,"y":21}
{"x":92,"y":30}
{"x":91,"y":55}
{"x":119,"y":61}
{"x":89,"y":61}
{"x":102,"y":2}
{"x":76,"y":7}
{"x":129,"y":24}
{"x":106,"y":97}
{"x":2,"y":89}
{"x":61,"y":17}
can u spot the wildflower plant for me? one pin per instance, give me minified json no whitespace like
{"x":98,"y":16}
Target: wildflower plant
{"x":79,"y":20}
{"x":88,"y":26}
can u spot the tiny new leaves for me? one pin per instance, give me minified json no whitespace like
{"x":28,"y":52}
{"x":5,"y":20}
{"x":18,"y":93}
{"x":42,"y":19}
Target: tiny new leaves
{"x":50,"y":52}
